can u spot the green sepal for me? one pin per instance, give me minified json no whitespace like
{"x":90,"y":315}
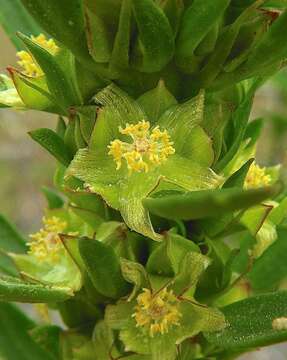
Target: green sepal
{"x":156,"y":101}
{"x":53,"y":143}
{"x":87,"y":115}
{"x":107,"y":280}
{"x":69,"y":137}
{"x":250,"y":322}
{"x":207,"y":203}
{"x":155,"y":45}
{"x":79,"y":138}
{"x":13,"y":289}
{"x":61,"y":85}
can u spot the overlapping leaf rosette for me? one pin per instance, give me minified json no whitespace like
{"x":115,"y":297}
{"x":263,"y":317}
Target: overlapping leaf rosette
{"x":160,"y":219}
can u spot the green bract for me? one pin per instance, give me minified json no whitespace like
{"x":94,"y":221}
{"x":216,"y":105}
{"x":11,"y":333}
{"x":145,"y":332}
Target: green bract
{"x":161,"y":231}
{"x":124,"y":190}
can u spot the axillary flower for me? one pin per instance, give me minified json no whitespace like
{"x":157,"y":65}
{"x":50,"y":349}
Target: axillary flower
{"x":26,"y":61}
{"x":149,"y":147}
{"x":157,"y":312}
{"x":46,"y":244}
{"x":256,"y":177}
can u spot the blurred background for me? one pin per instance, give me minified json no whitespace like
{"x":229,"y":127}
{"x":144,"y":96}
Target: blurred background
{"x":25,"y":167}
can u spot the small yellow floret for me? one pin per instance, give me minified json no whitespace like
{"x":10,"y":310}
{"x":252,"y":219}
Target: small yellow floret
{"x":256,"y":177}
{"x":26,"y":61}
{"x":157,"y":312}
{"x":46,"y":244}
{"x":148,"y":147}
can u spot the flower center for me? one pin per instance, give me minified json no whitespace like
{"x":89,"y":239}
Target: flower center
{"x":46,"y":244}
{"x":26,"y":61}
{"x":148,"y":147}
{"x":157,"y":312}
{"x":256,"y":177}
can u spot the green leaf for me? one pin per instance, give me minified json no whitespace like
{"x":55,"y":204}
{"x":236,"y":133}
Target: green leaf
{"x":62,"y":20}
{"x":12,"y":289}
{"x":167,"y":257}
{"x":238,"y":178}
{"x":250,"y":322}
{"x":121,"y":49}
{"x":271,"y":48}
{"x":55,"y":201}
{"x":15,"y":341}
{"x":60,"y":83}
{"x":106,"y":279}
{"x":10,"y":239}
{"x":14,"y":17}
{"x":206,"y":203}
{"x":156,"y":101}
{"x":197,"y":21}
{"x":263,"y":276}
{"x":156,"y":40}
{"x":34,"y":92}
{"x":53,"y":143}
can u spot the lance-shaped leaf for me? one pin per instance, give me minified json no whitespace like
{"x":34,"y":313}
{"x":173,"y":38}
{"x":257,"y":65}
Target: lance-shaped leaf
{"x":106,"y":279}
{"x":15,"y":341}
{"x":206,"y":203}
{"x":167,"y":257}
{"x":63,"y":20}
{"x":197,"y":21}
{"x":13,"y":289}
{"x":53,"y":143}
{"x":262,"y":275}
{"x":62,"y":85}
{"x":34,"y":92}
{"x":14,"y":17}
{"x":10,"y":239}
{"x":251,"y":322}
{"x":156,"y":41}
{"x":123,"y":189}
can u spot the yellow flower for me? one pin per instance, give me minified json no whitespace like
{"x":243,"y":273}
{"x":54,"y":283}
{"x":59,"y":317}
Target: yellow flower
{"x":30,"y":67}
{"x":157,"y":312}
{"x":46,"y":244}
{"x":148,"y":147}
{"x":256,"y":177}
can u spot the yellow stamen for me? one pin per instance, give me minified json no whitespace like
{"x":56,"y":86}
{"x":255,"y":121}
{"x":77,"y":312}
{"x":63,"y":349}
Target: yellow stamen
{"x":256,"y":177}
{"x":148,"y":147}
{"x":157,"y":312}
{"x":46,"y":244}
{"x":26,"y":61}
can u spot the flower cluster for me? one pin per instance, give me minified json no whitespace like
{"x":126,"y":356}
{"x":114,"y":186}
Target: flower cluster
{"x":157,"y":312}
{"x":26,"y":61}
{"x":148,"y":147}
{"x":46,"y":244}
